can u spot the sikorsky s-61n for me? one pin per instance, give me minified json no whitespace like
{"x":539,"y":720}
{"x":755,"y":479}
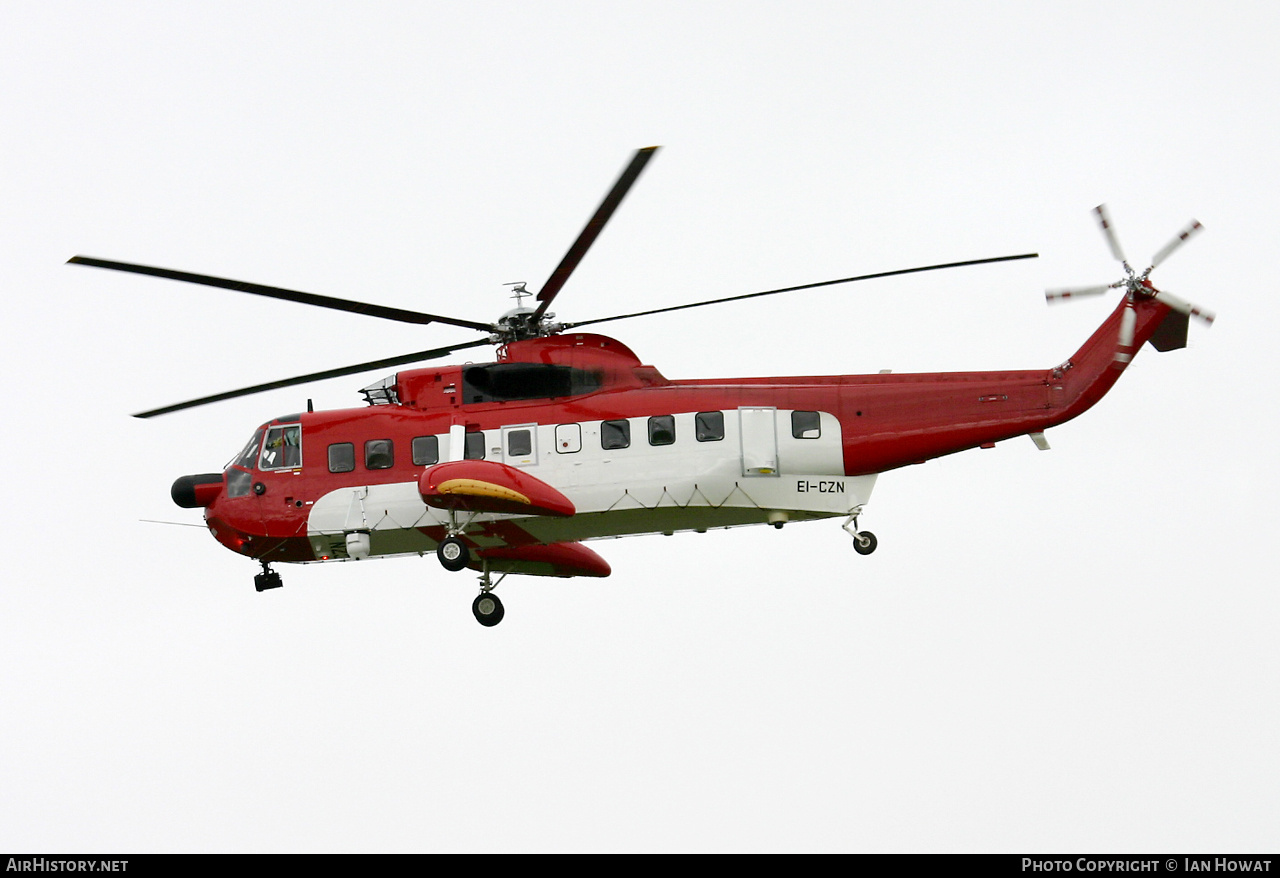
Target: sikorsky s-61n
{"x":509,"y":466}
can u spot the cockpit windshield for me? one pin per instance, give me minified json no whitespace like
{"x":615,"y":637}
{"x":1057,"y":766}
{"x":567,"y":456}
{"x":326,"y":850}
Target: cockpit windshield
{"x":238,"y":479}
{"x":250,"y":453}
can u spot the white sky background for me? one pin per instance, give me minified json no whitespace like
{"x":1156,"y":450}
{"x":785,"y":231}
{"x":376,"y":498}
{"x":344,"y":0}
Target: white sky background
{"x":1073,"y":650}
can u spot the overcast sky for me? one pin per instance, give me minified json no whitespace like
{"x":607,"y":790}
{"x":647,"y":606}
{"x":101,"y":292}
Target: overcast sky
{"x":1071,"y":650}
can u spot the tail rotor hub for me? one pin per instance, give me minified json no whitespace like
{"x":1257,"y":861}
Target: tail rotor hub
{"x":1136,"y":285}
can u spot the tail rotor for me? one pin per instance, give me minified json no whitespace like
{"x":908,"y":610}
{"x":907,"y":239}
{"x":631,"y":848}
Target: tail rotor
{"x":1136,"y":285}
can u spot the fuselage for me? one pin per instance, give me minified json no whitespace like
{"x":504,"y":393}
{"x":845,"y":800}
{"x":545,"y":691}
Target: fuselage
{"x":633,"y":451}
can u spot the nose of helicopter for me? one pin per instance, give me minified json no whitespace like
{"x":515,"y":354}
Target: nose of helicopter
{"x":191,"y":492}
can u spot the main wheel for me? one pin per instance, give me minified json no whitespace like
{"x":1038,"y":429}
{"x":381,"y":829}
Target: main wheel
{"x":453,"y":553}
{"x":487,"y":609}
{"x":864,"y":543}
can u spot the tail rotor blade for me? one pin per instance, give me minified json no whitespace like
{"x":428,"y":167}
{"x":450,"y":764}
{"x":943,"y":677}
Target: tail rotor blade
{"x":1128,"y":322}
{"x":1138,"y":288}
{"x":1181,"y":238}
{"x":1104,"y":221}
{"x":1061,"y":295}
{"x":1185,"y":307}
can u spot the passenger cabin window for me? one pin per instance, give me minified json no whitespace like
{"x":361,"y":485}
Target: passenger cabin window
{"x":426,"y":450}
{"x":283,"y":448}
{"x":473,"y":449}
{"x":708,"y":426}
{"x":662,"y":430}
{"x":498,"y":382}
{"x":379,"y":454}
{"x":806,"y":425}
{"x":615,"y":434}
{"x":342,"y":457}
{"x":519,"y":443}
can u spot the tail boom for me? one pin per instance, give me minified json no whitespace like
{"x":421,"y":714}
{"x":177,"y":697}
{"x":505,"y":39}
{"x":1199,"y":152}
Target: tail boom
{"x":896,"y":420}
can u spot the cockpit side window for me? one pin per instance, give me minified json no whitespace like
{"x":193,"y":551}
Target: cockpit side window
{"x":283,"y":448}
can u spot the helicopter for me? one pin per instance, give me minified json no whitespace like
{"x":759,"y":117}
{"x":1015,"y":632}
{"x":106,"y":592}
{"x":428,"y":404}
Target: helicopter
{"x":510,"y":466}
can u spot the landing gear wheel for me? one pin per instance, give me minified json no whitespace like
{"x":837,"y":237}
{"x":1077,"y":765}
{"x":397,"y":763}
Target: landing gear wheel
{"x":453,"y":553}
{"x":487,"y":609}
{"x":864,"y":542}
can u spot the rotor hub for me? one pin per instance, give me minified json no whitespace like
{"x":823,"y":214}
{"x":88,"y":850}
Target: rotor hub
{"x":519,"y":324}
{"x":1137,"y":285}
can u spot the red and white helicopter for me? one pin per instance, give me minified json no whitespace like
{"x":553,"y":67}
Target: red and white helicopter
{"x":509,"y":466}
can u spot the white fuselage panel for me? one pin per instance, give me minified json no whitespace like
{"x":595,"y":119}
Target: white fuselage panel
{"x":743,"y":477}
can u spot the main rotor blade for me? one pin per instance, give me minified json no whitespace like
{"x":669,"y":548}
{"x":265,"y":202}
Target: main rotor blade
{"x":314,"y":376}
{"x":400,"y":314}
{"x":825,"y":283}
{"x":588,"y":235}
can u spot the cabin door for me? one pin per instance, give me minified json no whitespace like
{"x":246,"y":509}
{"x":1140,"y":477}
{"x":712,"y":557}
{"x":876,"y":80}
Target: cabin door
{"x":759,"y":434}
{"x":520,"y":445}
